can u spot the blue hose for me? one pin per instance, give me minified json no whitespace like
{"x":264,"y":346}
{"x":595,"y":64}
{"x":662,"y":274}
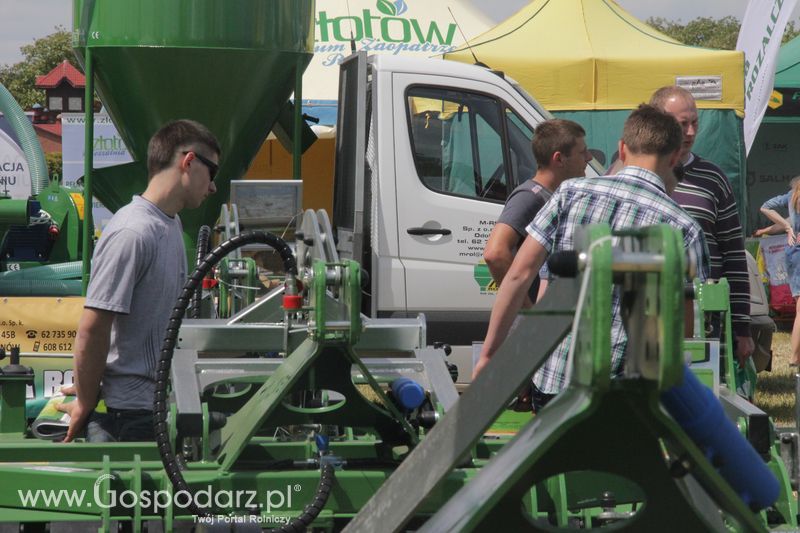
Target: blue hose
{"x":700,"y":414}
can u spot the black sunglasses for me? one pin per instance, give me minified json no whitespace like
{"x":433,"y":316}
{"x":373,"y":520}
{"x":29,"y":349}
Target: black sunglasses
{"x":213,"y":168}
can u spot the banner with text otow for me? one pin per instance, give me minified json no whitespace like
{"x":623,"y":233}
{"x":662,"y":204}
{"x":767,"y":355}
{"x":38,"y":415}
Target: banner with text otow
{"x":760,"y":38}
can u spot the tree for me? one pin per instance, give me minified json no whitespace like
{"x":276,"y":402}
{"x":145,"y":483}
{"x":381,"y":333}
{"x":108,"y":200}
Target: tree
{"x":709,"y":33}
{"x":790,"y":33}
{"x":55,"y":165}
{"x":40,"y":57}
{"x":702,"y":31}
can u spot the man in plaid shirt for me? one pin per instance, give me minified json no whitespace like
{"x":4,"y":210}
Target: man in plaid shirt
{"x":638,"y":196}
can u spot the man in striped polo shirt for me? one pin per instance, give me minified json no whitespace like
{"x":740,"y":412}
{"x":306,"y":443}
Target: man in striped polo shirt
{"x":706,"y":194}
{"x":638,"y":196}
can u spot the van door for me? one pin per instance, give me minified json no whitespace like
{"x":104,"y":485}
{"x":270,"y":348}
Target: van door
{"x":458,"y":152}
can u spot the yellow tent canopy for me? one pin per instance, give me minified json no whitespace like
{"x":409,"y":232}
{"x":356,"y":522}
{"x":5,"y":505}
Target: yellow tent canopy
{"x":584,"y":55}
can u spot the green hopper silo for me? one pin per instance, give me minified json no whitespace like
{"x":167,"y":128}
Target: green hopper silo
{"x":229,"y":64}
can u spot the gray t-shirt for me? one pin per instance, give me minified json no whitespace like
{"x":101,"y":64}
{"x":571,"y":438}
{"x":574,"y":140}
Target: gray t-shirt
{"x":138,"y":270}
{"x":521,"y":207}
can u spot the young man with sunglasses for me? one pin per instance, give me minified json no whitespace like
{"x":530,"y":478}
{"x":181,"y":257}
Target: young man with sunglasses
{"x":138,"y":271}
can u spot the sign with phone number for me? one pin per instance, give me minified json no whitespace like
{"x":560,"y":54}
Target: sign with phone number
{"x":44,"y":328}
{"x":40,"y":325}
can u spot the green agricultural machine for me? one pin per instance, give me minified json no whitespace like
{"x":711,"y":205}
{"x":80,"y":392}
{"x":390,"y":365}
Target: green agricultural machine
{"x":299,"y":412}
{"x":41,"y":243}
{"x":41,"y":231}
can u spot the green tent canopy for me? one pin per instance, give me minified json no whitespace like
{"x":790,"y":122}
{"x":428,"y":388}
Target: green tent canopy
{"x":787,"y":72}
{"x":772,"y":162}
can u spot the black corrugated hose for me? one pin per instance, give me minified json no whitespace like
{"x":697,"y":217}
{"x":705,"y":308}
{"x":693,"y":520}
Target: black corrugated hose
{"x":173,"y":464}
{"x":312,"y":510}
{"x":203,"y":236}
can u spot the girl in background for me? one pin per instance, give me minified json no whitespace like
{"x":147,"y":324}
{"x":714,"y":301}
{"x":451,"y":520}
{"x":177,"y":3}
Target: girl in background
{"x":791,"y":201}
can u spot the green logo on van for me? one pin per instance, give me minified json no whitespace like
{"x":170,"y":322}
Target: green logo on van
{"x":392,"y":9}
{"x":481,"y":274}
{"x":388,"y":27}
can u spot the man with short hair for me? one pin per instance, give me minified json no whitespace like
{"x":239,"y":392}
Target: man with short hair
{"x":138,"y":271}
{"x":559,"y":147}
{"x":706,"y":194}
{"x":637,"y":196}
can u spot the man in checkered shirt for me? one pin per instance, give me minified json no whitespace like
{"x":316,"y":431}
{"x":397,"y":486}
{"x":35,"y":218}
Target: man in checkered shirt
{"x":636,"y":197}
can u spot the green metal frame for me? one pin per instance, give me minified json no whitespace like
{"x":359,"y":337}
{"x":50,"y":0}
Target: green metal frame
{"x":639,"y":442}
{"x":714,"y":298}
{"x":88,"y":167}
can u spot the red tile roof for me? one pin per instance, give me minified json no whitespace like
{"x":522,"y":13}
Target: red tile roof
{"x":54,"y":129}
{"x":65,"y":70}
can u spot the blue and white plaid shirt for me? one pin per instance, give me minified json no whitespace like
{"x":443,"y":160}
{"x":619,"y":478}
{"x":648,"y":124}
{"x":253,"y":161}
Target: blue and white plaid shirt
{"x":633,"y":198}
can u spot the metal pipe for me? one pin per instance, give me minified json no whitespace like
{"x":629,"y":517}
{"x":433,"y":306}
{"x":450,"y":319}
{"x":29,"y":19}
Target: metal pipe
{"x":297,"y":142}
{"x":637,"y":262}
{"x":628,"y":261}
{"x":88,"y":163}
{"x":796,"y":403}
{"x":14,"y":212}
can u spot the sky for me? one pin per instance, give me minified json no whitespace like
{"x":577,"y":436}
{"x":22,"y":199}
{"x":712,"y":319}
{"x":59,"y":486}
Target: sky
{"x":678,"y":10}
{"x":25,"y":20}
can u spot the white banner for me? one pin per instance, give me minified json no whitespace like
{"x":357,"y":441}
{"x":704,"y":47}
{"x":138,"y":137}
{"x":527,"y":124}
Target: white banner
{"x":760,"y":38}
{"x":109,"y":150}
{"x":15,"y":176}
{"x":417,"y":28}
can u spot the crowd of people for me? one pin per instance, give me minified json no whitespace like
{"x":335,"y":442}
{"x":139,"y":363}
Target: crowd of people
{"x":657,"y":179}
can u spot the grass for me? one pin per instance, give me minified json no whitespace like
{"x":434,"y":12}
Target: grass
{"x":775,"y":389}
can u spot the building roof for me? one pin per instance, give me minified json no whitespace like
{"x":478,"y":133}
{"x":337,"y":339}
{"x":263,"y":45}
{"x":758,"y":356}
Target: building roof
{"x":64,"y":71}
{"x":53,"y":129}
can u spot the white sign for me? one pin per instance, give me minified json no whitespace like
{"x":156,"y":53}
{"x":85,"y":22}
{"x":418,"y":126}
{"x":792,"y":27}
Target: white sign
{"x":760,"y":38}
{"x":702,"y":87}
{"x":109,"y":150}
{"x":15,"y":175}
{"x":420,"y":28}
